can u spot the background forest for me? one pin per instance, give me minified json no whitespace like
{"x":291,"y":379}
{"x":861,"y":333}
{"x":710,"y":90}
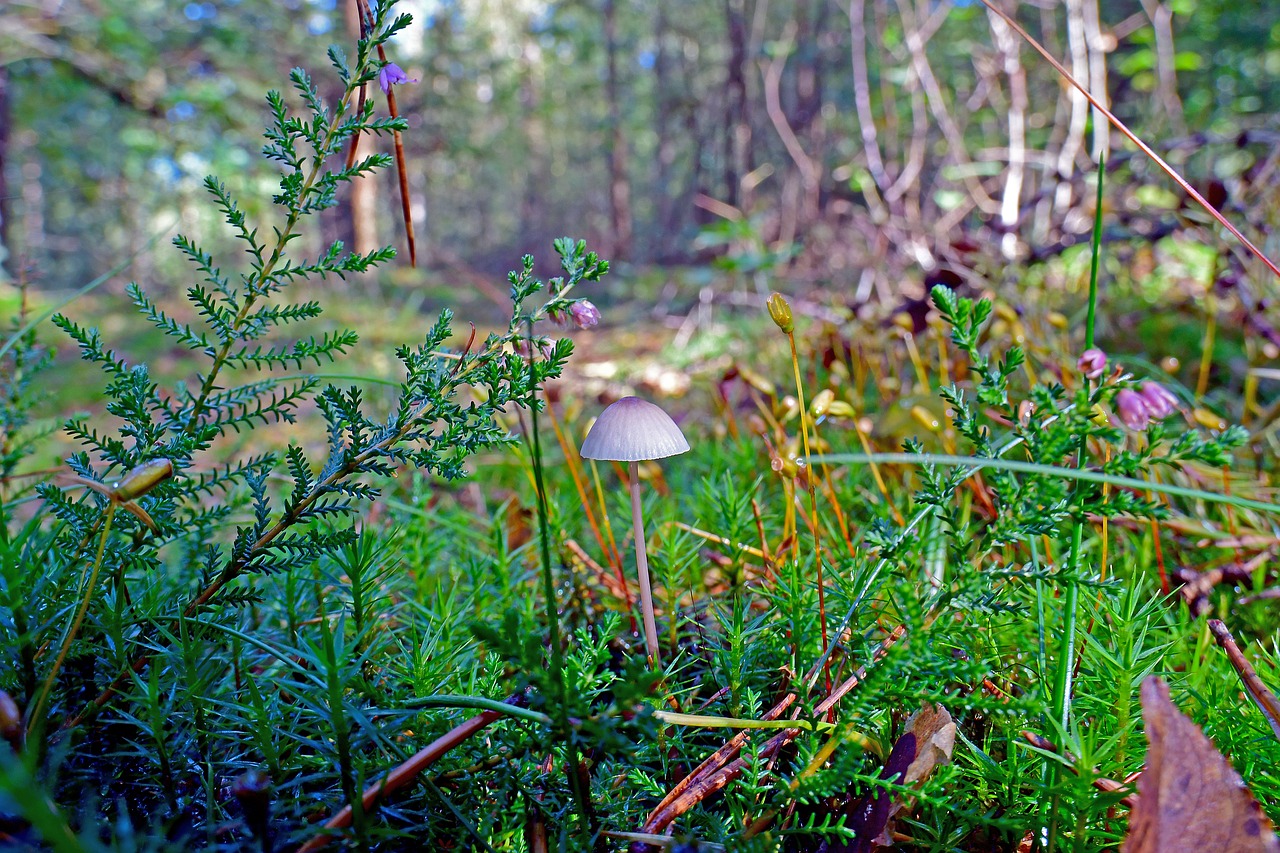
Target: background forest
{"x":964,"y":533}
{"x":878,"y":141}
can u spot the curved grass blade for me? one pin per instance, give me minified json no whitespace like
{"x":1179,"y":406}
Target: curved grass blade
{"x":976,"y":463}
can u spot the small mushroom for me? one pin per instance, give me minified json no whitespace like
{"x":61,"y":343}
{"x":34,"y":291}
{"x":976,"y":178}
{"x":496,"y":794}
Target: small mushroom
{"x":632,"y":430}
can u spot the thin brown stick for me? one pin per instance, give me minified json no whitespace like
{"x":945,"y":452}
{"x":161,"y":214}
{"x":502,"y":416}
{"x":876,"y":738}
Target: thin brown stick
{"x":402,"y":775}
{"x":402,"y":172}
{"x":723,"y":766}
{"x":616,"y":586}
{"x":1258,"y":692}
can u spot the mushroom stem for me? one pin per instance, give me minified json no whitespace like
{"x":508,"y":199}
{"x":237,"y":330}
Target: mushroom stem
{"x":642,"y":568}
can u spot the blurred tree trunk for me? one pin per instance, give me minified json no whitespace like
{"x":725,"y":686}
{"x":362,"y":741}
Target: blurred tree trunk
{"x":616,"y":145}
{"x":662,"y":107}
{"x":362,"y":197}
{"x":6,"y":225}
{"x":805,"y":112}
{"x":737,"y":106}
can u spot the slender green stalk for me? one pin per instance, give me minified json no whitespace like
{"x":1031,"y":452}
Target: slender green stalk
{"x":1062,"y":683}
{"x":976,"y":463}
{"x":810,"y":473}
{"x":563,"y":726}
{"x":1091,"y":316}
{"x":36,"y":719}
{"x":713,"y":722}
{"x":480,"y":703}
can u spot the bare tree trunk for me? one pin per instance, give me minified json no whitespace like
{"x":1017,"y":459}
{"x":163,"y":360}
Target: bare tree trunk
{"x":737,"y":151}
{"x":1078,"y":43}
{"x":362,"y":197}
{"x":1007,"y":44}
{"x":6,"y":222}
{"x":1161,"y":16}
{"x":1097,"y":78}
{"x":616,"y":146}
{"x":804,"y":208}
{"x":666,"y":150}
{"x":862,"y":94}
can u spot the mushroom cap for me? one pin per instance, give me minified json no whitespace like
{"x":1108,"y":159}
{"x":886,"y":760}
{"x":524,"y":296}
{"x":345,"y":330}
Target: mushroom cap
{"x":631,"y":430}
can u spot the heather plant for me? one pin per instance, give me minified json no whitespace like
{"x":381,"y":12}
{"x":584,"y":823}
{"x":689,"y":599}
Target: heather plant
{"x":163,"y":542}
{"x":215,"y":650}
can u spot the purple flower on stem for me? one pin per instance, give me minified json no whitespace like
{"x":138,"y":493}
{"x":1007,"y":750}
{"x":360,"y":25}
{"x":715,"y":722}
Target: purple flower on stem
{"x":1092,"y":362}
{"x":1133,"y":410}
{"x":584,"y":314}
{"x":1159,"y":400}
{"x":391,"y":75}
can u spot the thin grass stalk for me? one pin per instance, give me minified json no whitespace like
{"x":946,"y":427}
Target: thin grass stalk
{"x":1206,"y":347}
{"x":36,"y":720}
{"x":1064,"y":677}
{"x":563,"y":726}
{"x":976,"y":463}
{"x":814,"y":524}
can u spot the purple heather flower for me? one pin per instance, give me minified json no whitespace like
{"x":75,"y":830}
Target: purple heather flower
{"x":1159,"y":399}
{"x":584,"y":314}
{"x":1133,"y":410}
{"x":1092,"y":362}
{"x":391,"y":75}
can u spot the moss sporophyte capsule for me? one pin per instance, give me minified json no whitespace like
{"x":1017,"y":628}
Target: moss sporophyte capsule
{"x":142,"y":479}
{"x":780,"y":311}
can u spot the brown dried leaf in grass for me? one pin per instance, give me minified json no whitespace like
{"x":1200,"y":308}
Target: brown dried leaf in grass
{"x":924,"y":746}
{"x":1190,"y":800}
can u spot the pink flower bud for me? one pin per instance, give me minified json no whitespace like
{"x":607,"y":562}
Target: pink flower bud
{"x":1092,"y":362}
{"x":1132,"y":410}
{"x":584,"y":314}
{"x":1159,"y":399}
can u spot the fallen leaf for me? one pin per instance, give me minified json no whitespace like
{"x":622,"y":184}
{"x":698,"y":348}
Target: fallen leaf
{"x":925,"y":745}
{"x":1190,"y":800}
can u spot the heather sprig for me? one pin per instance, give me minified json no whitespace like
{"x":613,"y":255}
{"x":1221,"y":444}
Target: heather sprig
{"x":446,"y":410}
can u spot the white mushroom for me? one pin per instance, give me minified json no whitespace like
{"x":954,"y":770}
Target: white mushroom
{"x":632,"y":430}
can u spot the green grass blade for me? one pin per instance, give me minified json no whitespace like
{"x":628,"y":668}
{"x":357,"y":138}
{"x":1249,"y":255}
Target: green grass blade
{"x":977,"y":463}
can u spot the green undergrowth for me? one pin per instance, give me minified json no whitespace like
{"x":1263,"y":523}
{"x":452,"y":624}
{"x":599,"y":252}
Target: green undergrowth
{"x":414,"y":594}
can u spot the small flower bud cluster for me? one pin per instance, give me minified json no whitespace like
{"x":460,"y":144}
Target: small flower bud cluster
{"x":581,"y":313}
{"x":584,"y":314}
{"x":1137,"y":409}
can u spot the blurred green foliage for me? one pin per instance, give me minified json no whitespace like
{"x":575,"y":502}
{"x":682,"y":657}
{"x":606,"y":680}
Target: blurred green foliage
{"x":116,"y":110}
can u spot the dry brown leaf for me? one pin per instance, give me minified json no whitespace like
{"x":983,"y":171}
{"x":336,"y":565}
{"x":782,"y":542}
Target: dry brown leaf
{"x":924,"y":746}
{"x":936,"y":735}
{"x":1190,"y":800}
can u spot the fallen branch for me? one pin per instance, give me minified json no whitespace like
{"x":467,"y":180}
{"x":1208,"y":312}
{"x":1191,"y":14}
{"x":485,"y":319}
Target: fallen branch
{"x":1258,"y":692}
{"x":402,"y":776}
